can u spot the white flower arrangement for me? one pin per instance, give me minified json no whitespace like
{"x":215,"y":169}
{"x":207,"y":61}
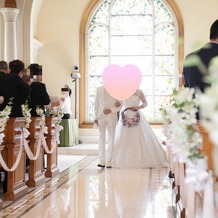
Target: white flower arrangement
{"x":209,"y":103}
{"x":58,"y":112}
{"x":26,"y":114}
{"x":166,"y":119}
{"x":179,"y":119}
{"x":40,"y":113}
{"x":4,"y":116}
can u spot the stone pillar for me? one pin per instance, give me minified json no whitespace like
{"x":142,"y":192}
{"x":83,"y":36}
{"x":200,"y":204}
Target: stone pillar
{"x":10,"y":42}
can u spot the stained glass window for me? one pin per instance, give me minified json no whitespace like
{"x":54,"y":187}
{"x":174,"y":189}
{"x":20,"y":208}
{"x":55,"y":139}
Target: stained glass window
{"x":139,"y":32}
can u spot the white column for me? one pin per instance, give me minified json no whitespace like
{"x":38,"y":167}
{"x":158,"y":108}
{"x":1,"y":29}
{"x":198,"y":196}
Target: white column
{"x":10,"y":37}
{"x":36,"y":45}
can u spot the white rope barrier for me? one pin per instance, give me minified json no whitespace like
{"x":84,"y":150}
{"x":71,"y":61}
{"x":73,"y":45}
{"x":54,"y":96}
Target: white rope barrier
{"x":14,"y":167}
{"x":54,"y":141}
{"x":23,"y":141}
{"x":2,"y":135}
{"x":41,"y":140}
{"x":27,"y":148}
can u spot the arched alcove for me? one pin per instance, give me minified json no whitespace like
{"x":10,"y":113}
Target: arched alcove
{"x":83,"y":49}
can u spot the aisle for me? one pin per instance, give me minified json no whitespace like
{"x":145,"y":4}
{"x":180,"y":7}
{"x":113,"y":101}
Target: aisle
{"x":84,"y":191}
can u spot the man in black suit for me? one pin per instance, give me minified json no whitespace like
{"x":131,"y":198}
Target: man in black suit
{"x":4,"y":67}
{"x":197,"y":63}
{"x":12,"y":86}
{"x":38,"y":95}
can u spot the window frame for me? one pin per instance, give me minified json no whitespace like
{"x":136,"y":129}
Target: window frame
{"x":83,"y":58}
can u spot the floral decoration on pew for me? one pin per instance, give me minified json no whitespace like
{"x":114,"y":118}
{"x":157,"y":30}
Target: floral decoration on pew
{"x":179,"y":119}
{"x":209,"y":108}
{"x":26,"y":133}
{"x":209,"y":103}
{"x":56,"y":112}
{"x":26,"y":114}
{"x":199,"y":175}
{"x":184,"y":140}
{"x":40,"y":113}
{"x":27,"y":117}
{"x":4,"y":116}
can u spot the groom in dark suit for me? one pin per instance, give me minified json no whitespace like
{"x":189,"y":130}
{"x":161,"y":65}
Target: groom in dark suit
{"x":197,"y":63}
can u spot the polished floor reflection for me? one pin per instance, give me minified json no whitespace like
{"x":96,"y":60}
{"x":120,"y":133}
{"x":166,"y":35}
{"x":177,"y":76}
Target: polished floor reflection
{"x":85,"y":191}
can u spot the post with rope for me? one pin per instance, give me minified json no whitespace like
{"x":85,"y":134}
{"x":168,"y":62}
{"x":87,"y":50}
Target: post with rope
{"x":1,"y":148}
{"x":14,"y":157}
{"x":36,"y":169}
{"x":52,"y":157}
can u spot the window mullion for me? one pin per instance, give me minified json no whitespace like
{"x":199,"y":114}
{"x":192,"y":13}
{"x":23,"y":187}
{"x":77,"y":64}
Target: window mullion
{"x":153,"y":57}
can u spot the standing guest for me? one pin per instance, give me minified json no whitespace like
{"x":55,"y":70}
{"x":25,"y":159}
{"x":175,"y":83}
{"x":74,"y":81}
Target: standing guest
{"x":12,"y":86}
{"x":4,"y":67}
{"x":194,"y":73}
{"x":38,"y":94}
{"x":66,"y":103}
{"x":196,"y":64}
{"x":16,"y":67}
{"x":106,"y":108}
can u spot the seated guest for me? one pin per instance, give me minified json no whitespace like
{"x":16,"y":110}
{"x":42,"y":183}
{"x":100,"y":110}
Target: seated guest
{"x":4,"y":67}
{"x":38,"y":94}
{"x":66,"y":103}
{"x":12,"y":86}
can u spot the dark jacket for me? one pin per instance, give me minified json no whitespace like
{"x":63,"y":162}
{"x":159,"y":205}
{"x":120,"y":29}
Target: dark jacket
{"x":38,"y":97}
{"x":193,"y":75}
{"x":12,"y":86}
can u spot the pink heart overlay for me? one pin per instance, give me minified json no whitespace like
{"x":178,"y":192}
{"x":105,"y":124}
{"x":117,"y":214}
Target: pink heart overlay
{"x":121,"y":82}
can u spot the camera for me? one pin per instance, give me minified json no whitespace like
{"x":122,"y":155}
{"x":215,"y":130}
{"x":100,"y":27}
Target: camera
{"x":75,"y":68}
{"x":75,"y":74}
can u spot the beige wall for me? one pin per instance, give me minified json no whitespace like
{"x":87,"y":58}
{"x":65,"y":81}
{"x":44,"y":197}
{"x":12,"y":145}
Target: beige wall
{"x":58,"y":27}
{"x":57,"y":23}
{"x":197,"y":17}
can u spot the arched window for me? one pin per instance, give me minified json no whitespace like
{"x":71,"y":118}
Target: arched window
{"x":141,"y":32}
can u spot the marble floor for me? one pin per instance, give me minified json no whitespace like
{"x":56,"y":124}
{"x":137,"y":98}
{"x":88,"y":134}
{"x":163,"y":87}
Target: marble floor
{"x":82,"y":190}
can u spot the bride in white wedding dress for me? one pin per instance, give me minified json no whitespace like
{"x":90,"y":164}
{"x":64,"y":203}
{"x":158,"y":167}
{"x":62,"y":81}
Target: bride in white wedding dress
{"x":136,"y":145}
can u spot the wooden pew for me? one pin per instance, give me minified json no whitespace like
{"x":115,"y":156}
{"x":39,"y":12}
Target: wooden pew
{"x":52,"y":159}
{"x":36,"y":168}
{"x":208,"y":146}
{"x":16,"y":183}
{"x":1,"y":148}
